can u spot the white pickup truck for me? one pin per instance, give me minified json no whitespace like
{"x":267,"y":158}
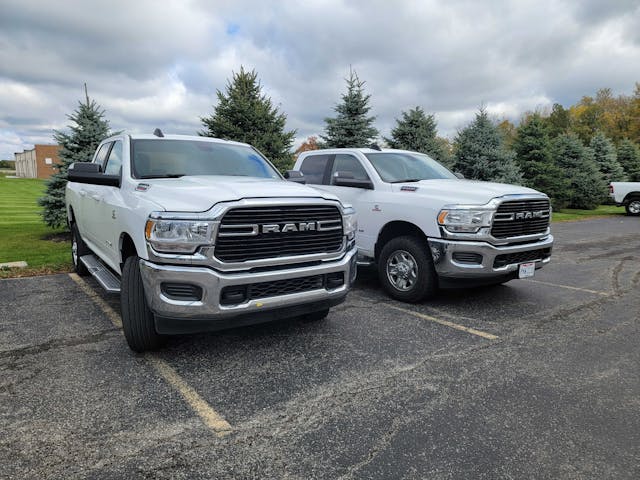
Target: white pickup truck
{"x":626,"y":194}
{"x":201,"y":234}
{"x":426,"y":228}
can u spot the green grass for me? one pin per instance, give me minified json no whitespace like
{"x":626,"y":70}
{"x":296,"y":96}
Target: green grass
{"x":569,"y":214}
{"x":23,"y":235}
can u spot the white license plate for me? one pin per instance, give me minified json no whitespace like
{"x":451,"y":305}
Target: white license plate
{"x":526,"y":270}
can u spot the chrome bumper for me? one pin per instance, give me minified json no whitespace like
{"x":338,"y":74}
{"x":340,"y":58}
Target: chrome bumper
{"x":443,"y":251}
{"x":212,"y":282}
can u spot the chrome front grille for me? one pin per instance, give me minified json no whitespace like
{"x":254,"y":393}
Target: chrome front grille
{"x":254,"y":233}
{"x":521,"y":217}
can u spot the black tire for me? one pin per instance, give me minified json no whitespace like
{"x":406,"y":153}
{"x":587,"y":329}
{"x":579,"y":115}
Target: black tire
{"x":418,"y":273}
{"x":316,"y":316}
{"x":137,"y":319}
{"x":78,"y":249}
{"x":633,"y":207}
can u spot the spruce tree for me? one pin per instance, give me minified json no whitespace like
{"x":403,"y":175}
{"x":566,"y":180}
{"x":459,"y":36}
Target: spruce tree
{"x":245,"y":114}
{"x":480,"y":153}
{"x":586,"y":186}
{"x":418,"y":132}
{"x":351,"y":127}
{"x":87,"y":129}
{"x":629,"y":158}
{"x":532,"y":147}
{"x":558,"y":121}
{"x":604,"y":153}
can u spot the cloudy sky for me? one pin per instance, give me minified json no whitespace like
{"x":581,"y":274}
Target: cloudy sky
{"x":159,"y":63}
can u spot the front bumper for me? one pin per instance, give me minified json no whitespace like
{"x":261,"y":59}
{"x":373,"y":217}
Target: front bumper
{"x":491,"y":261}
{"x":212,"y":282}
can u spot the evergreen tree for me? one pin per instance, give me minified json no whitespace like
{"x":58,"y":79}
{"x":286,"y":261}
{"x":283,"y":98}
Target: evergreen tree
{"x":418,"y":132}
{"x":351,"y":127}
{"x":604,"y":153}
{"x":87,"y":129}
{"x":245,"y":114}
{"x":480,"y":153}
{"x":586,"y":186}
{"x":558,"y":121}
{"x":532,"y":147}
{"x":629,"y":158}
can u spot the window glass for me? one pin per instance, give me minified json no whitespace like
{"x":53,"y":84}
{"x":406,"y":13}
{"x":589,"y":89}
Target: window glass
{"x":349,"y":164}
{"x":102,"y":154}
{"x":114,"y":162}
{"x":314,"y":167}
{"x":396,"y":167}
{"x":175,"y":158}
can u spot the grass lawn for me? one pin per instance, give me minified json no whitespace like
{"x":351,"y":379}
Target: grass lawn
{"x":568,"y":214}
{"x":23,"y":235}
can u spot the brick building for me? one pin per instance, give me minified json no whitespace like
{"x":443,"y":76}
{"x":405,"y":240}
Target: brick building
{"x":38,"y":162}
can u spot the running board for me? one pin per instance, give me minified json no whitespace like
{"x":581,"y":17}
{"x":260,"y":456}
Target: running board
{"x":102,"y":274}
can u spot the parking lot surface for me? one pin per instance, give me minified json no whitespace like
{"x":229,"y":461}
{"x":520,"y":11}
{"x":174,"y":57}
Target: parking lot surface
{"x":533,"y":379}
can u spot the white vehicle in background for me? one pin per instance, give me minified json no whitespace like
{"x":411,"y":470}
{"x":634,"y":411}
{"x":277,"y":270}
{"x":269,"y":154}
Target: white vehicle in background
{"x":426,"y":228}
{"x":626,"y":194}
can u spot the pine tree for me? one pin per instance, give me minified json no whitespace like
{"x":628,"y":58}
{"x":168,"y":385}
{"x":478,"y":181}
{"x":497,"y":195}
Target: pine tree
{"x":351,"y":127}
{"x":558,"y":121}
{"x":629,"y":158}
{"x":245,"y":114}
{"x":418,"y":132}
{"x":480,"y":153}
{"x":586,"y":186}
{"x":87,"y":129}
{"x":532,"y":147}
{"x":604,"y":153}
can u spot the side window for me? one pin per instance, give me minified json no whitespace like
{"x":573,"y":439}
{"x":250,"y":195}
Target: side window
{"x":349,"y":163}
{"x":114,"y":162}
{"x":102,"y":154}
{"x":313,"y":168}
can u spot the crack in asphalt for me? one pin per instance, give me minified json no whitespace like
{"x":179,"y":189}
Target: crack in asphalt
{"x":59,"y":343}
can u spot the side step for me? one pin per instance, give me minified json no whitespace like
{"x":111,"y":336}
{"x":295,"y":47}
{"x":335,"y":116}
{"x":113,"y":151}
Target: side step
{"x":102,"y":274}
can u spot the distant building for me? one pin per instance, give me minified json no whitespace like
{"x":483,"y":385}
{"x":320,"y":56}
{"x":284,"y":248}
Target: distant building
{"x":38,"y":162}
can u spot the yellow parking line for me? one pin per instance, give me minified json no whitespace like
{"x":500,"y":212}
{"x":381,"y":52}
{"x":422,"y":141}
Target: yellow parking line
{"x":207,"y":414}
{"x":472,"y":331}
{"x":596,"y":292}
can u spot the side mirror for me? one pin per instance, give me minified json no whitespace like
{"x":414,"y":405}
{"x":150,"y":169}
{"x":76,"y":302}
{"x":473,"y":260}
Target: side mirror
{"x":345,"y":179}
{"x":295,"y":176}
{"x":459,"y":175}
{"x":86,"y":172}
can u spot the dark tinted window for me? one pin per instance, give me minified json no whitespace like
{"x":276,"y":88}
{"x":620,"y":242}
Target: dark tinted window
{"x":114,"y":162}
{"x":349,"y":164}
{"x":163,"y":158}
{"x":314,"y":167}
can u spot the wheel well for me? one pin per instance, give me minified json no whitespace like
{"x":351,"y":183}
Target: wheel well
{"x":631,"y":196}
{"x":396,"y":229}
{"x":71,"y":218}
{"x":127,"y":248}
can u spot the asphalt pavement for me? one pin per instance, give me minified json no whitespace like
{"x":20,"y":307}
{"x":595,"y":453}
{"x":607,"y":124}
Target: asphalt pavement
{"x":532,"y":379}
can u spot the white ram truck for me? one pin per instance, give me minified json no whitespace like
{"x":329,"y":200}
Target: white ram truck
{"x":626,"y":194}
{"x":202,"y":234}
{"x":426,"y":228}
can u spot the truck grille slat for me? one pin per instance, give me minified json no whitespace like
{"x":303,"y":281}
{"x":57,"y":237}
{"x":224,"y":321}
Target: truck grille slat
{"x":519,"y":217}
{"x":242,"y":248}
{"x":521,"y":257}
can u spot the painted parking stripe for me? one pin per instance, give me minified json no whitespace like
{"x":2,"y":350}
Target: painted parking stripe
{"x":569,"y":287}
{"x":212,"y":419}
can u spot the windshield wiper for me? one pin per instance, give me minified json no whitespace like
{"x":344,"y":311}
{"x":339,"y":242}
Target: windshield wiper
{"x":408,"y":180}
{"x":164,"y":175}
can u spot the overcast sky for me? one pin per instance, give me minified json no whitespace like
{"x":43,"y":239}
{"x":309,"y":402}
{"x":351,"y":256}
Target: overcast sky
{"x":159,"y":63}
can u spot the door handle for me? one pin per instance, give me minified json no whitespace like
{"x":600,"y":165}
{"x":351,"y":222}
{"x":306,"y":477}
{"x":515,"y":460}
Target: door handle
{"x":97,"y":198}
{"x":82,"y":193}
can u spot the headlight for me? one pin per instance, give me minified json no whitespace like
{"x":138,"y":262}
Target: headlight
{"x":464,"y":220}
{"x":349,"y":223}
{"x":178,"y":236}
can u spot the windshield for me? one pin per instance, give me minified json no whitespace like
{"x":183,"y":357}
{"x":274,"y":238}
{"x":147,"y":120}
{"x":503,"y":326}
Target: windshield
{"x":177,"y":158}
{"x":397,"y":167}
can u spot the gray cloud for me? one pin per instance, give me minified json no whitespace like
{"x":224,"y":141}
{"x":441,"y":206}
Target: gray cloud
{"x":159,"y":64}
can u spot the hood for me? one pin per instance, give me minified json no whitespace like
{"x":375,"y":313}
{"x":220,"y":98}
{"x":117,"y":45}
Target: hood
{"x":200,"y":193}
{"x":472,"y":192}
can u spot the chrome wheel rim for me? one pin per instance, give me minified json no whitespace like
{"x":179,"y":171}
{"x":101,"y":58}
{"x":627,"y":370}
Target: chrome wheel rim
{"x":634,"y":207}
{"x":402,"y":270}
{"x":74,"y":250}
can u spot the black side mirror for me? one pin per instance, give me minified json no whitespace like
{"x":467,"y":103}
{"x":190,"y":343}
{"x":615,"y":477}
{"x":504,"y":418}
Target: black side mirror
{"x":295,"y":176}
{"x":459,"y":175}
{"x":86,"y":172}
{"x":346,"y":179}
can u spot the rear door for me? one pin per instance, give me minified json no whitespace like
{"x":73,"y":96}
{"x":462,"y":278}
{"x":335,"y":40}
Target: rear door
{"x":89,"y":199}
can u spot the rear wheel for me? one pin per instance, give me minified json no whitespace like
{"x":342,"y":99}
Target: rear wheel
{"x":633,"y":207}
{"x":406,"y":270}
{"x":78,"y":249}
{"x":137,"y":318}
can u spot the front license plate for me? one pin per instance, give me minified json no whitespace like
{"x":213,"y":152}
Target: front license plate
{"x":527,"y":270}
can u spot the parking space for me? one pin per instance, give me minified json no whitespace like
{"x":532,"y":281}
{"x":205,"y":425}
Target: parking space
{"x":535,"y":378}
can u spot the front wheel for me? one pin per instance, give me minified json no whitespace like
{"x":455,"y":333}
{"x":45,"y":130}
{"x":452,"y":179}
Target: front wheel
{"x":137,"y":318}
{"x":633,"y":207}
{"x":406,"y":270}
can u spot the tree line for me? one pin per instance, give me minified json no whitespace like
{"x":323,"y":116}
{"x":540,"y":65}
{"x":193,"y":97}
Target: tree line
{"x":568,"y":153}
